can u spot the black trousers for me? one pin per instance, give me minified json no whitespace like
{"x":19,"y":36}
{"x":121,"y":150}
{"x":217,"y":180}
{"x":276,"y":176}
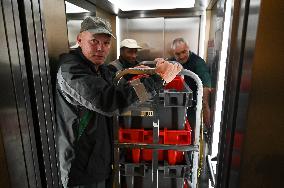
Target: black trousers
{"x":102,"y":184}
{"x":191,"y":116}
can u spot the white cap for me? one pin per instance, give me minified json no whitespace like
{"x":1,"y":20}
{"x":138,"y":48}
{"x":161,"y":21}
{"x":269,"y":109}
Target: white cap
{"x":129,"y":43}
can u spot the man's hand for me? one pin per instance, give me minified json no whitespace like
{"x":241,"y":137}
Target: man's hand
{"x":166,"y":70}
{"x":142,"y":67}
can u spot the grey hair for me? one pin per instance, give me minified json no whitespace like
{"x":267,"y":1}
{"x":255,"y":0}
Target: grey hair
{"x":178,"y":41}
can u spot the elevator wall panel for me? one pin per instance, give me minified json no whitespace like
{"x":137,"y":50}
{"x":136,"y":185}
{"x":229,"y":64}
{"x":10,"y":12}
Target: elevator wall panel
{"x":155,"y":35}
{"x":4,"y":104}
{"x":149,"y":33}
{"x":73,"y":30}
{"x":39,"y":81}
{"x":262,"y":162}
{"x":16,"y":120}
{"x":28,"y":150}
{"x":55,"y":26}
{"x":123,"y":29}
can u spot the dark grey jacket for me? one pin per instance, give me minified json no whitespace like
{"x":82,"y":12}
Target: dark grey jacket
{"x":81,"y":89}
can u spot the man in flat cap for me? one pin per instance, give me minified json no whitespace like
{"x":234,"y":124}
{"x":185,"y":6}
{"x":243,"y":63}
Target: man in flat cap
{"x":86,"y":100}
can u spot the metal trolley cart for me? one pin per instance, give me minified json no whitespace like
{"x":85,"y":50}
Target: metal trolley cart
{"x":153,"y":142}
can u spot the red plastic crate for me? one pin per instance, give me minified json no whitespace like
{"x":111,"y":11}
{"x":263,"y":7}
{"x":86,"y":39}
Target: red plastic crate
{"x":177,"y":83}
{"x":171,"y":137}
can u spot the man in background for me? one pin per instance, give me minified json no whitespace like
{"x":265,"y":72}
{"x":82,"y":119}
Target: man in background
{"x":127,"y":57}
{"x":196,"y":64}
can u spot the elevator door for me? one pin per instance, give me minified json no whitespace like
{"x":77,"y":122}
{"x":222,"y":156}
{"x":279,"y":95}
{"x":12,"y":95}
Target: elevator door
{"x":156,"y":34}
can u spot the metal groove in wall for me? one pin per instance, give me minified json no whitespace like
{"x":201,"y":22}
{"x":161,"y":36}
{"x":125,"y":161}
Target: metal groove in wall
{"x":47,"y":94}
{"x":14,"y":112}
{"x":40,"y":91}
{"x":15,"y":56}
{"x":16,"y":119}
{"x":24,"y":102}
{"x":28,"y":33}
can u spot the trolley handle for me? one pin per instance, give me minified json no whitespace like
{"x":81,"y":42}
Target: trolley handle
{"x":137,"y":70}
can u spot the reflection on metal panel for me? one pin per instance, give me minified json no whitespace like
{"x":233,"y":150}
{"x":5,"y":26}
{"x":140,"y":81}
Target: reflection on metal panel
{"x":244,"y":88}
{"x":149,"y":34}
{"x":73,"y":30}
{"x":16,"y":122}
{"x":188,"y":28}
{"x":236,"y":101}
{"x":156,"y":34}
{"x":263,"y":154}
{"x":37,"y":67}
{"x":8,"y":117}
{"x":123,"y":29}
{"x":46,"y":92}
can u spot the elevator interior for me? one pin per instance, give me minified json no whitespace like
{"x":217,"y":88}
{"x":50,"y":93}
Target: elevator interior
{"x":155,"y":31}
{"x":34,"y":33}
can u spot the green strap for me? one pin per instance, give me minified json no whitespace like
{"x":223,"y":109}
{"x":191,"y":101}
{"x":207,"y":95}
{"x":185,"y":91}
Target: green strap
{"x":84,"y":122}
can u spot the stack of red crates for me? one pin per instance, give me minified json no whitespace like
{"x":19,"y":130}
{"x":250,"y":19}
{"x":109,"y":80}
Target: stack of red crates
{"x":169,"y":137}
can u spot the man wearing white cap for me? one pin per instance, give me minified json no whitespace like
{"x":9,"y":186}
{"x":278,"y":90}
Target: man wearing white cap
{"x":128,"y":55}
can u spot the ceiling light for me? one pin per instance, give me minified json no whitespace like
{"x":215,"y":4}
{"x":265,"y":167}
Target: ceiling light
{"x":71,"y":8}
{"x":128,"y":5}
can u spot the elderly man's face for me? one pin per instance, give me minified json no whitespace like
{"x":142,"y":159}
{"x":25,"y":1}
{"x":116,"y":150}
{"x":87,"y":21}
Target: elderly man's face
{"x":95,"y":47}
{"x":181,"y":52}
{"x":129,"y":54}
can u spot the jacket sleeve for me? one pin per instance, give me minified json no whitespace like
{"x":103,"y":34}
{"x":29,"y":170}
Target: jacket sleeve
{"x":81,"y":86}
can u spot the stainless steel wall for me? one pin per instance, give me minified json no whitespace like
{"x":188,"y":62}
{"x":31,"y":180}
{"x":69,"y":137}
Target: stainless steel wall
{"x":233,"y":125}
{"x":73,"y":30}
{"x":19,"y":152}
{"x":156,"y":34}
{"x":251,"y":148}
{"x":55,"y":27}
{"x":214,"y":50}
{"x":26,"y":109}
{"x":149,"y":33}
{"x":262,"y":161}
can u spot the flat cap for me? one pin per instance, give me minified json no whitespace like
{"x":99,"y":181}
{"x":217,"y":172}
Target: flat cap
{"x":96,"y":25}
